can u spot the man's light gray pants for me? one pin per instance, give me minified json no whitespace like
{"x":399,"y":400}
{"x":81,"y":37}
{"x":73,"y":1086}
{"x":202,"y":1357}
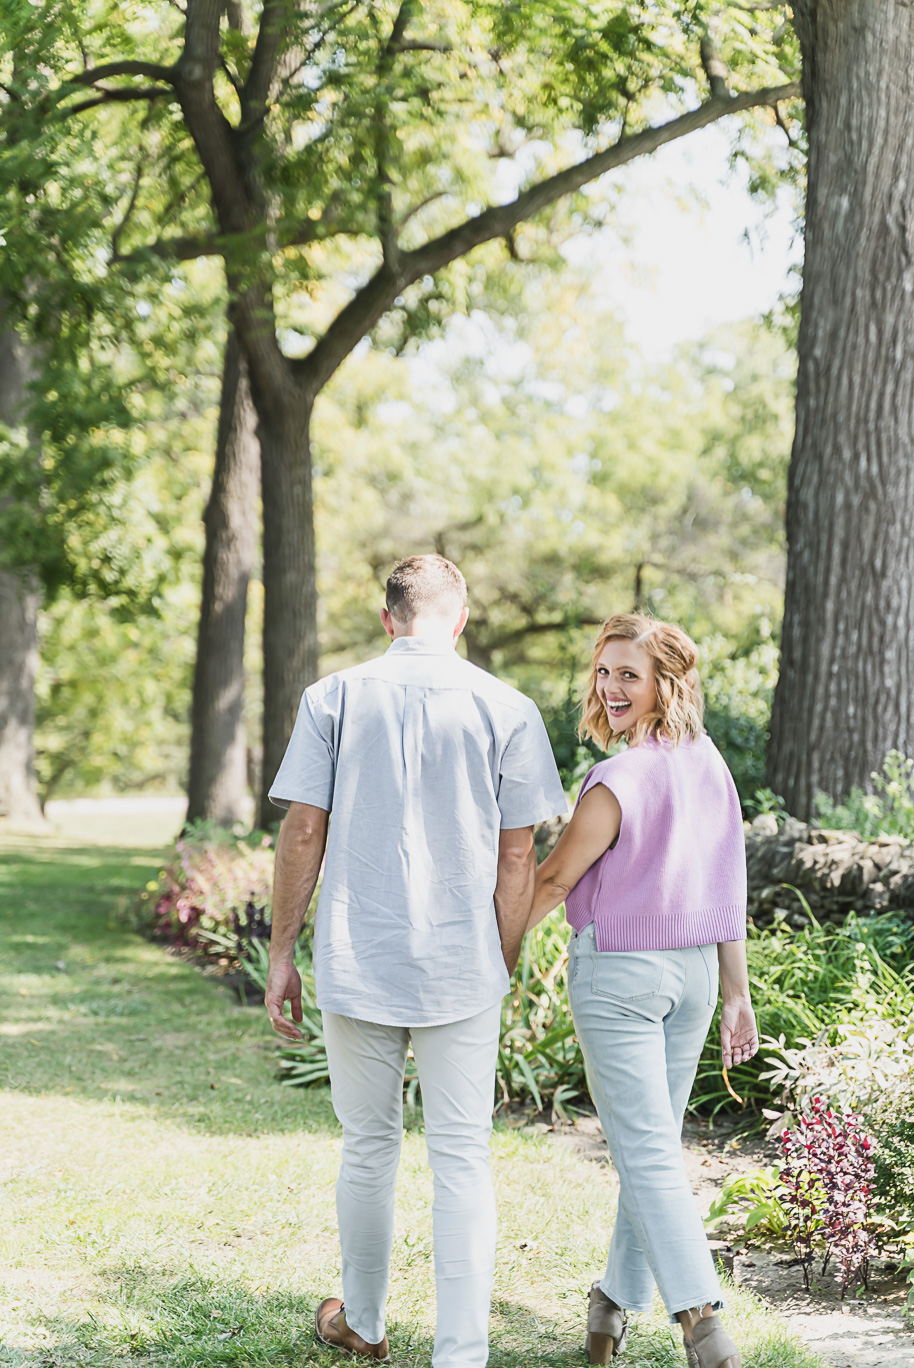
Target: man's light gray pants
{"x":642,"y":1018}
{"x":456,"y":1065}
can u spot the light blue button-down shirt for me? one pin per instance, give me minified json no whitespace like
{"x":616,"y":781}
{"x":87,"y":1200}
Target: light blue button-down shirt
{"x":422,"y":758}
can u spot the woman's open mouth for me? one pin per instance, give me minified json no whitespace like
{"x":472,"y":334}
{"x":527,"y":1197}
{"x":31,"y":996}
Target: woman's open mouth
{"x":617,"y":707}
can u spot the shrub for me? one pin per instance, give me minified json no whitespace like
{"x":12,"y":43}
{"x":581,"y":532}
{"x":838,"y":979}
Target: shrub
{"x":827,"y":1176}
{"x":889,"y":811}
{"x":809,"y":981}
{"x":890,"y":1120}
{"x":216,"y":882}
{"x":852,"y":1064}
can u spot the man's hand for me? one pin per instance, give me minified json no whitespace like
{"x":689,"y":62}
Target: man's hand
{"x":514,"y":889}
{"x":284,"y":984}
{"x":299,"y":851}
{"x":738,"y":1031}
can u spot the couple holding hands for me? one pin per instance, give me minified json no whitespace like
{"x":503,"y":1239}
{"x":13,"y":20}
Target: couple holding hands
{"x":436,"y":773}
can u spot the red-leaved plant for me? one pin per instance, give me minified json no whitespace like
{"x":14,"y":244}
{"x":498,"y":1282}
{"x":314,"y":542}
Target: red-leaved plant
{"x":214,"y":882}
{"x":828,"y":1179}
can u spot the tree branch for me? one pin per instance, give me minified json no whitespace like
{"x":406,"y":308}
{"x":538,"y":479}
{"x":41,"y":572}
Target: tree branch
{"x":117,"y":95}
{"x":153,"y":70}
{"x":498,"y":643}
{"x":274,"y":24}
{"x":423,"y":45}
{"x":128,"y":212}
{"x":377,"y":295}
{"x":715,"y":68}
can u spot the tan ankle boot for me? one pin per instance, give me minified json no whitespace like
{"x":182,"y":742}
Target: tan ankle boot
{"x":606,"y":1327}
{"x":706,"y":1342}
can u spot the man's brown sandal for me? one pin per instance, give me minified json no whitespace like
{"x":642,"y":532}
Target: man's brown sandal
{"x":607,"y":1326}
{"x":331,"y":1327}
{"x":710,"y":1346}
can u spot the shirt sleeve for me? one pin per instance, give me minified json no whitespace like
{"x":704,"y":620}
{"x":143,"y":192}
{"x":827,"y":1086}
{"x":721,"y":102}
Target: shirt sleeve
{"x":529,"y":789}
{"x":308,"y":767}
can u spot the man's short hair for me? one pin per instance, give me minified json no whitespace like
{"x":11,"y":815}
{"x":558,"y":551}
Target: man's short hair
{"x":425,"y":586}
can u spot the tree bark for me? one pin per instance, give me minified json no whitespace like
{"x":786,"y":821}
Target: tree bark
{"x":20,"y":599}
{"x":845,"y":695}
{"x":290,"y":607}
{"x":217,"y":785}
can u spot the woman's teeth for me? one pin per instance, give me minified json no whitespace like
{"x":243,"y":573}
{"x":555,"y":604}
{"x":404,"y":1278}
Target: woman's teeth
{"x":619,"y":706}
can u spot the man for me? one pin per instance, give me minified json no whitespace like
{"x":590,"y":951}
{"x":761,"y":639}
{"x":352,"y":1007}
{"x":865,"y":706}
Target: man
{"x":435,"y":773}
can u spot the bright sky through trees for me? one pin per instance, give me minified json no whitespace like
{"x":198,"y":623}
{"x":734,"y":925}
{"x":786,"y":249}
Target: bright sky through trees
{"x":675,"y":256}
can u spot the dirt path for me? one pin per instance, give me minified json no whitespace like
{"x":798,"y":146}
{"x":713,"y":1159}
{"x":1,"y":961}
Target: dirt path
{"x":862,"y":1332}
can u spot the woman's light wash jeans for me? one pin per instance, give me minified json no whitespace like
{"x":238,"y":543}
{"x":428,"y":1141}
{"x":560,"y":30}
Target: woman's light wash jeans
{"x":642,"y":1018}
{"x":456,"y":1065}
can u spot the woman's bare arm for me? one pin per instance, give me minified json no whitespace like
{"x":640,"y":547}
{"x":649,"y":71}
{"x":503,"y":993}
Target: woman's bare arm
{"x":591,"y":831}
{"x":738,"y":1030}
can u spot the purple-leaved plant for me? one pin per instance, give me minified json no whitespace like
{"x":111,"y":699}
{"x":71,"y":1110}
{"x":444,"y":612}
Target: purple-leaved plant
{"x":828,"y":1176}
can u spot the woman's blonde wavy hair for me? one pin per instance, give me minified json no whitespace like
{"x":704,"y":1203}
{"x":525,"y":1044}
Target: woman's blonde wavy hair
{"x":680,"y":708}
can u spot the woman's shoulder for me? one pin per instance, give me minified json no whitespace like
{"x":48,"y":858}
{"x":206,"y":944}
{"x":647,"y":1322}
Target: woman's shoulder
{"x":614,"y":768}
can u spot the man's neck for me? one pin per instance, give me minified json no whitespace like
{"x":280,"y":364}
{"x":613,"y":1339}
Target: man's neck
{"x":436,"y":633}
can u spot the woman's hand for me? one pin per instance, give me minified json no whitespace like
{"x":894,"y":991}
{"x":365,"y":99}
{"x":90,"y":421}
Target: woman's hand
{"x":738,"y":1031}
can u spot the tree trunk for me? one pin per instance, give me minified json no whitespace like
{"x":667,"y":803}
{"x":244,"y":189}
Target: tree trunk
{"x":845,"y":695}
{"x":290,"y":597}
{"x":217,"y":786}
{"x":20,"y":599}
{"x":19,"y":602}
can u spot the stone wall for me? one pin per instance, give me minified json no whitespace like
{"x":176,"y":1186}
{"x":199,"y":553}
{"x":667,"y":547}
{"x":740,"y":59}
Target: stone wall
{"x":835,"y":871}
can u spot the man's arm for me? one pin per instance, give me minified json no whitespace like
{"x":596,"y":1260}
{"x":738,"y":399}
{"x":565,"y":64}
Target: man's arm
{"x":514,"y":889}
{"x":299,"y":851}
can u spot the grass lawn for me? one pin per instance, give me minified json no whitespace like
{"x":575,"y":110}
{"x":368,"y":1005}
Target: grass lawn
{"x":164,"y":1201}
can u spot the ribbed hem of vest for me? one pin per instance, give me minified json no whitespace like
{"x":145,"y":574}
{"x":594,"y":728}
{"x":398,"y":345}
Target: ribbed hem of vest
{"x":670,"y":930}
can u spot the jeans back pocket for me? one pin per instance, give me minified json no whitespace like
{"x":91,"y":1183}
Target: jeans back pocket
{"x":627,"y":975}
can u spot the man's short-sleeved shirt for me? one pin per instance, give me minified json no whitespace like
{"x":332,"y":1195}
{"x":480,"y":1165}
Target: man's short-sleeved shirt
{"x":421,"y":758}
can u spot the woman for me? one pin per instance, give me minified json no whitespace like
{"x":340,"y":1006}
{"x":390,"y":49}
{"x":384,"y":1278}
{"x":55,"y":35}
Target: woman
{"x":652,"y":871}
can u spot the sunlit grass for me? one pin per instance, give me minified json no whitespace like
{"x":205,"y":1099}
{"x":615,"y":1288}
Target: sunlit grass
{"x":164,"y":1201}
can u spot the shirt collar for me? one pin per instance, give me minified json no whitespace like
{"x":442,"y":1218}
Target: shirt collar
{"x":417,"y":645}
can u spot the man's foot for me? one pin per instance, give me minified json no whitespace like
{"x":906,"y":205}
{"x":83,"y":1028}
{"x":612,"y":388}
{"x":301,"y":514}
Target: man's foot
{"x":606,"y":1327}
{"x":331,"y":1327}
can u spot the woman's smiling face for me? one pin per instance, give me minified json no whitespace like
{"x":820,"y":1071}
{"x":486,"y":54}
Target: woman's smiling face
{"x":625,"y":683}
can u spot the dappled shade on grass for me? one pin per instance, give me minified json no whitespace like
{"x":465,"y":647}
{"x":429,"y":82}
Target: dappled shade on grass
{"x":166,"y":1202}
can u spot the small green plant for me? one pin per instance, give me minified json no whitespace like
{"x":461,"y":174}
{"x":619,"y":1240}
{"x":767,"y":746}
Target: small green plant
{"x":765,"y":801}
{"x":906,"y":1268}
{"x":754,"y":1200}
{"x":888,"y":811}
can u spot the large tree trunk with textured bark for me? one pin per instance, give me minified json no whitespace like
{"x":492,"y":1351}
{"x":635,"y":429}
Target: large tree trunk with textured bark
{"x":290,"y":597}
{"x":20,"y":599}
{"x":217,"y":785}
{"x":845,"y":695}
